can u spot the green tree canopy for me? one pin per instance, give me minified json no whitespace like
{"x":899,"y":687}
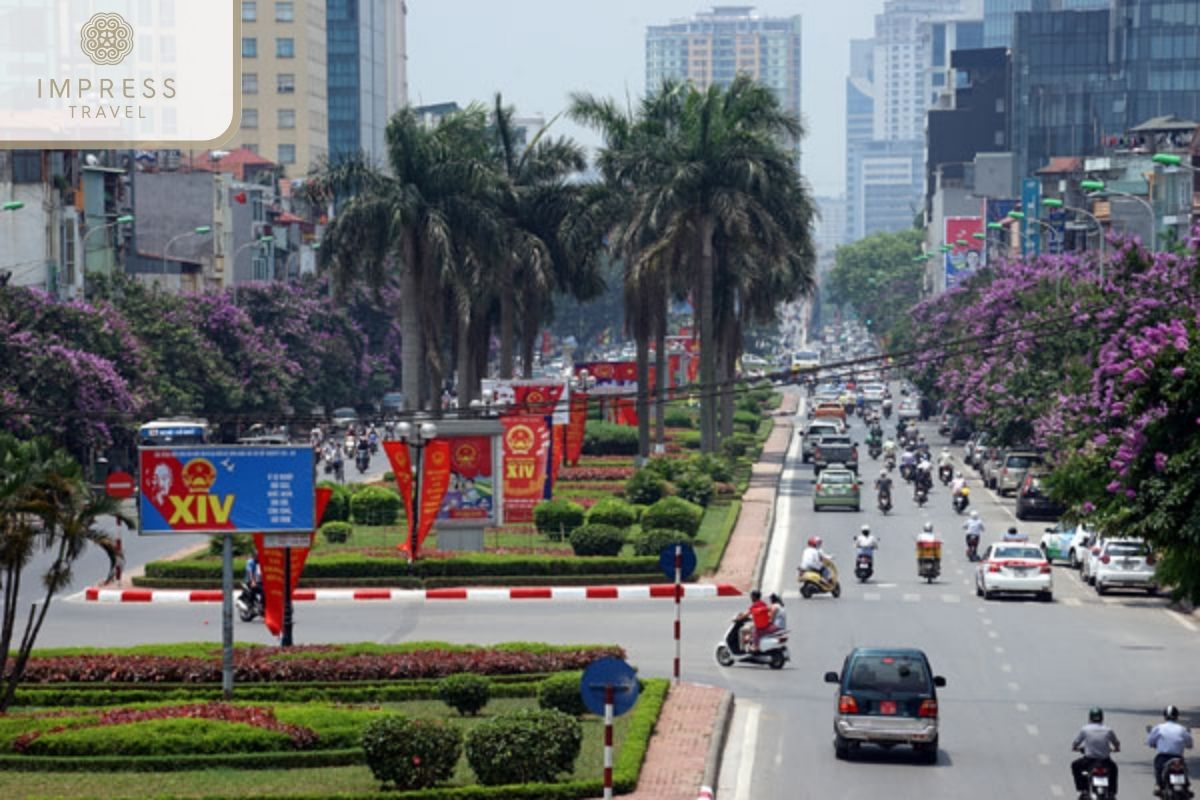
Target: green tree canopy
{"x":879,"y":277}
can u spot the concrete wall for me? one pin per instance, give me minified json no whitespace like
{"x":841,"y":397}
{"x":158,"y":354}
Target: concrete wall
{"x":169,"y":204}
{"x":25,"y":246}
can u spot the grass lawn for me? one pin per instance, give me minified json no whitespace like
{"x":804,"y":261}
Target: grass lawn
{"x":714,"y":533}
{"x":323,"y":782}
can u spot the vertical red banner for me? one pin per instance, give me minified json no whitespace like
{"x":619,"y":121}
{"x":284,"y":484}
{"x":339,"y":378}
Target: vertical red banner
{"x":401,"y":461}
{"x":435,"y":480}
{"x":556,"y":456}
{"x":577,"y":427}
{"x":271,"y":561}
{"x":526,"y":449}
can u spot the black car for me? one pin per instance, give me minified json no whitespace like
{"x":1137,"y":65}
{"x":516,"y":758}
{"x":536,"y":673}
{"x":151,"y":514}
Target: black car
{"x":960,"y":429}
{"x":1033,"y":502}
{"x":886,"y":696}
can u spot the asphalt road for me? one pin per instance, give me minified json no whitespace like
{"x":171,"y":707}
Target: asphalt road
{"x":1021,"y":674}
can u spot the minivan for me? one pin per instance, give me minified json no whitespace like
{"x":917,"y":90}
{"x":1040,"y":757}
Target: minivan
{"x":1013,"y":466}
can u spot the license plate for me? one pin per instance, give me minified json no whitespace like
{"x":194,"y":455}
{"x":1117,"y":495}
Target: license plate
{"x":1099,"y":780}
{"x":887,"y":707}
{"x":1178,"y":780}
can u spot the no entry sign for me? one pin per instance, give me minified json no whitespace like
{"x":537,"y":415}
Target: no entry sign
{"x":119,"y":485}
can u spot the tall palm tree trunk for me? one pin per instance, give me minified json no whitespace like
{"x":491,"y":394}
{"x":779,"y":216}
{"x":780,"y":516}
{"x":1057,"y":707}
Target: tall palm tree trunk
{"x":642,"y":403}
{"x":507,"y":318}
{"x":410,"y":330}
{"x":464,"y":364}
{"x":529,"y":331}
{"x":662,"y":379}
{"x":728,"y":370}
{"x":709,"y":345}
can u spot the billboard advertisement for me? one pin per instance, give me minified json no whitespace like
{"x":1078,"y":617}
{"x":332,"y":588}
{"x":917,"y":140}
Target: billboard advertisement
{"x":964,"y":259}
{"x":225,"y":489}
{"x":526,"y":465}
{"x":470,"y":496}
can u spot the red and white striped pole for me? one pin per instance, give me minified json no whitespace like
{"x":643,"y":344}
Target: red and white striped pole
{"x":608,"y":742}
{"x":678,"y":596}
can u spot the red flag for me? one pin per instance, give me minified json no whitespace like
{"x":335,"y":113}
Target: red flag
{"x":240,"y":198}
{"x":435,"y":480}
{"x":577,"y":427}
{"x":401,"y":461}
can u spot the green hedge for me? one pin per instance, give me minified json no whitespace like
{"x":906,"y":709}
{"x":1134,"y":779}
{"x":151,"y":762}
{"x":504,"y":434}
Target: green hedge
{"x":375,"y":505}
{"x":279,"y":759}
{"x":674,"y":513}
{"x":338,"y":508}
{"x":443,"y":582}
{"x":612,"y":511}
{"x":556,"y":518}
{"x":607,"y":439}
{"x":160,"y":737}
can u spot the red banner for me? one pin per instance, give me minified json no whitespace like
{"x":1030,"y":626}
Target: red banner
{"x":401,"y":461}
{"x":556,"y":455}
{"x":526,"y":448}
{"x":469,"y":493}
{"x":609,"y":372}
{"x":435,"y":480}
{"x":626,"y":411}
{"x":471,"y":456}
{"x":537,"y":399}
{"x":271,"y":562}
{"x":577,"y":428}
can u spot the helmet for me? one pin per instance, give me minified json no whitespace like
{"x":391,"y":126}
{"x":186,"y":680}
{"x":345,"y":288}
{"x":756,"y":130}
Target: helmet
{"x":1171,"y":713}
{"x":815,"y":541}
{"x":929,"y":526}
{"x":1012,"y":528}
{"x":958,"y":474}
{"x":866,"y":528}
{"x":974,"y":514}
{"x":1095,"y":714}
{"x":883,"y":473}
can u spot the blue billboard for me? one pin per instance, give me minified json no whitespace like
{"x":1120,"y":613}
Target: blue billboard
{"x":226,"y":489}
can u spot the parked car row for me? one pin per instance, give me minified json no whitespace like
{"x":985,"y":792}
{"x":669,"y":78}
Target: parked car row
{"x":1017,"y":471}
{"x":1105,"y":563}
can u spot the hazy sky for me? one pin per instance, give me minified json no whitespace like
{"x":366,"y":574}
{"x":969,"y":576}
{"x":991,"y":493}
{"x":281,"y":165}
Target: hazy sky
{"x":538,"y":51}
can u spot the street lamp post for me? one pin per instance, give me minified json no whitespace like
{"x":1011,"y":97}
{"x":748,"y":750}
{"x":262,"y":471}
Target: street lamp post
{"x":13,"y":205}
{"x":124,"y":219}
{"x":233,"y":261}
{"x":416,"y":437}
{"x":1096,"y":187}
{"x":1172,"y":160}
{"x":200,"y":231}
{"x":1054,"y":202}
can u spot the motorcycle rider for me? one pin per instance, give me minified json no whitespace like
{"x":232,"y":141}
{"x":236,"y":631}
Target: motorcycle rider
{"x":865,"y":543}
{"x":889,"y":448}
{"x":1169,"y":739}
{"x":1097,"y":742}
{"x":958,"y":484}
{"x":1013,"y":535}
{"x":758,"y":613}
{"x":908,"y":463}
{"x":253,"y":578}
{"x":927,"y":534}
{"x":973,"y":527}
{"x":944,"y":459}
{"x":813,"y":559}
{"x":883,"y":486}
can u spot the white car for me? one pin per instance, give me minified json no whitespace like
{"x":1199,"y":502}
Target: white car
{"x":1091,"y":559}
{"x":873,"y":392}
{"x":1014,"y":567}
{"x":1067,"y":542}
{"x":1125,"y":564}
{"x":910,"y":408}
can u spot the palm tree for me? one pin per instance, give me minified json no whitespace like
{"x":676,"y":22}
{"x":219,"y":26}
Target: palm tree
{"x":45,"y":505}
{"x":420,"y":223}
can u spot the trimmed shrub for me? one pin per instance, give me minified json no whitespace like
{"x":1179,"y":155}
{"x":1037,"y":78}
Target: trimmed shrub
{"x":612,"y":511}
{"x":696,"y":487}
{"x":597,"y":540}
{"x":526,"y":746}
{"x":338,"y":509}
{"x":747,"y":418}
{"x":689,"y":440}
{"x":411,"y":753}
{"x":650,"y":542}
{"x":159,"y":737}
{"x":716,"y":467}
{"x":557,"y":518}
{"x":375,"y":505}
{"x":677,"y":418}
{"x":242,"y":545}
{"x":337,"y":532}
{"x":733,"y":447}
{"x":465,"y":692}
{"x":607,"y":439}
{"x":665,"y":468}
{"x":646,"y":486}
{"x":561,"y":692}
{"x":674,"y":513}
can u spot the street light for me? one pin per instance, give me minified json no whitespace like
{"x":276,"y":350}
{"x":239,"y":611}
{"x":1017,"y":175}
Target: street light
{"x":13,"y":205}
{"x":1054,"y":202}
{"x":1099,"y":187}
{"x":237,"y":252}
{"x":124,"y":219}
{"x":416,"y":437}
{"x":1171,"y":160}
{"x":199,"y":231}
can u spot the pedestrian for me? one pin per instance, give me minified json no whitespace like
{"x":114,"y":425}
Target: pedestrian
{"x":116,"y":558}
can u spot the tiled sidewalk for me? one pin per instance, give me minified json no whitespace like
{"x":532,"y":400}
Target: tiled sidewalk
{"x":678,"y":752}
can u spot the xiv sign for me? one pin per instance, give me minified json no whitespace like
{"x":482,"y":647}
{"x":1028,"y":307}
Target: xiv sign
{"x":116,"y":73}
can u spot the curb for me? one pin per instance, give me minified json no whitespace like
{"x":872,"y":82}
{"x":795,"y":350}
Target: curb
{"x":96,"y":594}
{"x":716,"y":745}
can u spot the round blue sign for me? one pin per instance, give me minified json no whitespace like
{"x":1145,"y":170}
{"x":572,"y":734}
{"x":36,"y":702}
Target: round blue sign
{"x":666,"y":561}
{"x":606,"y":672}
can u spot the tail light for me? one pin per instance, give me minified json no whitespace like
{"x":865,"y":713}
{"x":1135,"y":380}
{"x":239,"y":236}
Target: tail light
{"x":1105,"y":559}
{"x":820,"y":487}
{"x":1149,"y":559}
{"x":1099,"y":770}
{"x":1045,"y":570}
{"x":928,"y":708}
{"x":847,"y":705}
{"x":1095,"y":551}
{"x":993,"y":567}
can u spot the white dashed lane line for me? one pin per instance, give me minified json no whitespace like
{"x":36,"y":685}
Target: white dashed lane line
{"x":1043,"y":759}
{"x":1182,"y":620}
{"x":1032,"y":730}
{"x":1014,"y":687}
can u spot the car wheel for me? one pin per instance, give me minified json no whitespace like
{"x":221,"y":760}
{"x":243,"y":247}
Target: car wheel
{"x":1152,"y":591}
{"x":1100,"y":588}
{"x":858,"y":508}
{"x":1073,"y":559}
{"x":978,"y":590}
{"x":1020,"y":513}
{"x":816,"y":508}
{"x":988,"y":594}
{"x":928,"y":751}
{"x":841,"y":747}
{"x":1046,"y":597}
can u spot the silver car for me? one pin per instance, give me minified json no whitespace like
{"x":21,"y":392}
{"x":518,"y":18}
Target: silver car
{"x":1013,"y":467}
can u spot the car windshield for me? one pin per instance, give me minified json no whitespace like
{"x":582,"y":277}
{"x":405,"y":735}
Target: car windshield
{"x":1127,"y":549}
{"x":830,"y":476}
{"x":1022,"y":462}
{"x":887,"y":673}
{"x":835,"y":441}
{"x":1017,"y":552}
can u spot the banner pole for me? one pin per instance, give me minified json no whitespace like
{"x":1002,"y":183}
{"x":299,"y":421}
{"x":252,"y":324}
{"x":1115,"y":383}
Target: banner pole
{"x":286,"y":639}
{"x":608,"y":742}
{"x":227,"y":616}
{"x":678,"y":594}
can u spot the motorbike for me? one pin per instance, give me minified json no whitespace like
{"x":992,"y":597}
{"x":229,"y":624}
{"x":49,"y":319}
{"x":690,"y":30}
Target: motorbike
{"x":349,"y":446}
{"x":1176,"y":783}
{"x":813,"y":582}
{"x":921,"y":496}
{"x":362,"y":460}
{"x":929,"y":560}
{"x":887,"y":409}
{"x":864,"y":566}
{"x":772,"y":648}
{"x":249,"y":603}
{"x":906,"y":471}
{"x":945,"y":474}
{"x":874,"y":449}
{"x":1098,"y":783}
{"x":373,"y":446}
{"x":972,"y":547}
{"x":961,"y":500}
{"x":885,"y":502}
{"x":890,"y":463}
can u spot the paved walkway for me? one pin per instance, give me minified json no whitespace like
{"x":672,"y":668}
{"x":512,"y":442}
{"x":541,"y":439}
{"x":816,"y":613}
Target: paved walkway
{"x":678,"y":753}
{"x":749,"y":535}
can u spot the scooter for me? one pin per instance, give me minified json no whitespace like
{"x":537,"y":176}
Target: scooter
{"x":885,"y":502}
{"x":813,"y":582}
{"x":249,"y":603}
{"x":890,"y":463}
{"x":362,"y":461}
{"x":906,"y":471}
{"x":945,"y":474}
{"x":1176,"y":783}
{"x":864,"y":566}
{"x":961,"y":500}
{"x":772,"y":648}
{"x":1098,"y":784}
{"x":921,"y":495}
{"x":887,"y":409}
{"x":972,"y":547}
{"x":929,"y":560}
{"x":874,"y":449}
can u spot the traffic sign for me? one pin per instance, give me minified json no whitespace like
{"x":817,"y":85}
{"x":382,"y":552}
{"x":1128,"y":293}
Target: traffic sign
{"x":666,"y":560}
{"x":278,"y":541}
{"x":119,"y":485}
{"x":606,"y":672}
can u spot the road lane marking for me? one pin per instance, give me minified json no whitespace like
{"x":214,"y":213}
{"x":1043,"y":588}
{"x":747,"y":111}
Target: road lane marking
{"x":1022,"y":707}
{"x":981,"y":609}
{"x":745,"y":773}
{"x":912,"y":598}
{"x":1175,"y":615}
{"x":999,"y":650}
{"x":1043,"y":759}
{"x":993,"y":635}
{"x":1014,"y":686}
{"x":951,"y":598}
{"x":871,"y":596}
{"x":1032,"y":730}
{"x":1074,"y":602}
{"x":1056,"y":790}
{"x":1006,"y":667}
{"x":773,"y":574}
{"x":986,"y":621}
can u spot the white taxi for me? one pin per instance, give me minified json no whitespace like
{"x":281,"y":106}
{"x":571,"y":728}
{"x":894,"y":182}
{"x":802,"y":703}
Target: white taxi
{"x":1014,"y":567}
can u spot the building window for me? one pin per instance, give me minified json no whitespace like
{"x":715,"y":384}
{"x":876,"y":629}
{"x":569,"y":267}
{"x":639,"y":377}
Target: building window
{"x":287,"y":154}
{"x":253,"y":148}
{"x":249,"y":47}
{"x":249,"y":83}
{"x":249,"y":117}
{"x":287,"y":118}
{"x":285,"y":12}
{"x":249,"y":11}
{"x":285,"y":83}
{"x":26,"y":166}
{"x":285,"y":47}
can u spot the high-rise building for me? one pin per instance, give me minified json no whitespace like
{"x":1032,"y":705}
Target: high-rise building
{"x":998,"y":15}
{"x":829,"y":229}
{"x":860,"y":127}
{"x":284,"y":107}
{"x":366,"y":67}
{"x":944,"y":37}
{"x":1082,"y":78}
{"x":714,"y":47}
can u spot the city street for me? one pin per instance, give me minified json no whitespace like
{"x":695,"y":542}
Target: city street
{"x":1021,"y":674}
